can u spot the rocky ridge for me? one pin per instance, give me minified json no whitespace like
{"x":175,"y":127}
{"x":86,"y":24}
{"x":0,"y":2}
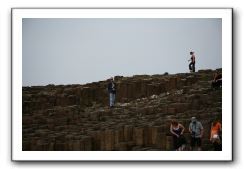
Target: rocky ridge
{"x":77,"y":118}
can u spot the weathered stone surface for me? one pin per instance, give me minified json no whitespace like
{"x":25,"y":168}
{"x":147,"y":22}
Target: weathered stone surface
{"x":77,"y":117}
{"x":169,"y":146}
{"x":109,"y":139}
{"x":138,"y":133}
{"x":128,"y":132}
{"x":122,"y":146}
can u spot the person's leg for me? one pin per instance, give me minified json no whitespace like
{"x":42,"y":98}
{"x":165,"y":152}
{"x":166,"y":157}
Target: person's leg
{"x":219,"y":148}
{"x":180,"y":147}
{"x":113,"y":99}
{"x":183,"y":147}
{"x":215,"y":146}
{"x":190,"y":66}
{"x":199,"y":144}
{"x":192,"y":143}
{"x":193,"y":67}
{"x":175,"y":143}
{"x":110,"y":99}
{"x":183,"y":142}
{"x":178,"y":144}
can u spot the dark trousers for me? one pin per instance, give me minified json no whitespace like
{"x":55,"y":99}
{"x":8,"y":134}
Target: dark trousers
{"x":179,"y":141}
{"x":196,"y":142}
{"x":216,"y":84}
{"x":192,"y":66}
{"x":217,"y":146}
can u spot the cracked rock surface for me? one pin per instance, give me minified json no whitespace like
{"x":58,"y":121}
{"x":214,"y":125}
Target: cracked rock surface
{"x":77,"y":117}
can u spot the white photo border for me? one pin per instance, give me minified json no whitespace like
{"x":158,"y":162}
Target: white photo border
{"x":227,"y":148}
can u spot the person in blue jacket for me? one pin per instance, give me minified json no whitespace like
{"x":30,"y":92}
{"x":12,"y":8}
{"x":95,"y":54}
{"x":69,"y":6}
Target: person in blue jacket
{"x":112,"y":92}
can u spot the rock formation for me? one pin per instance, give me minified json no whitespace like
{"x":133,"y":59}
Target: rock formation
{"x":77,"y":117}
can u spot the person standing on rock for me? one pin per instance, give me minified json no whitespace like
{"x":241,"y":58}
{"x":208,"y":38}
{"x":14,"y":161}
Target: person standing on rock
{"x":196,"y":130}
{"x":192,"y":63}
{"x":112,"y":92}
{"x":177,"y":131}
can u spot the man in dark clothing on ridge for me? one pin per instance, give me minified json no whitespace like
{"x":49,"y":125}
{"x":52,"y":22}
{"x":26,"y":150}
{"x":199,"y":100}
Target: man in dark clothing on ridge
{"x":112,"y":92}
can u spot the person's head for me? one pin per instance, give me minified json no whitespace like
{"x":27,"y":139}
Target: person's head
{"x":191,"y":52}
{"x":111,"y":79}
{"x":174,"y":123}
{"x":193,"y":119}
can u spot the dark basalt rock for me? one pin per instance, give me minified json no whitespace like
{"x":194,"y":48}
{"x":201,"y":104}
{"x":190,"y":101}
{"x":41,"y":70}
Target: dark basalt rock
{"x":77,"y":117}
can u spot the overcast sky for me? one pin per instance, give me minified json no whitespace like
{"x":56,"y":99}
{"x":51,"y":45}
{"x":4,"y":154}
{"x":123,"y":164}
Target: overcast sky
{"x":79,"y":51}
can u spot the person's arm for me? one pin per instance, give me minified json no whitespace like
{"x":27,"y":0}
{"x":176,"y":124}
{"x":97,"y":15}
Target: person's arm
{"x":183,"y":128}
{"x":190,"y":59}
{"x":171,"y":130}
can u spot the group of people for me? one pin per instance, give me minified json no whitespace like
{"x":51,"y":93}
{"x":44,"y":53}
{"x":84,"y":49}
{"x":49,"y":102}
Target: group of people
{"x":196,"y":131}
{"x":112,"y":85}
{"x":216,"y":83}
{"x":195,"y":126}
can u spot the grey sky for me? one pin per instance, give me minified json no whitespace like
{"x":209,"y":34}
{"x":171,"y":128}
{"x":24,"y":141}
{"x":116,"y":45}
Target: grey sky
{"x":79,"y":51}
